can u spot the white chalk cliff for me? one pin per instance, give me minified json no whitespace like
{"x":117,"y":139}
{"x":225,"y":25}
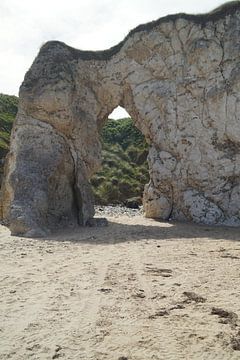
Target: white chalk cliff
{"x":177,"y":77}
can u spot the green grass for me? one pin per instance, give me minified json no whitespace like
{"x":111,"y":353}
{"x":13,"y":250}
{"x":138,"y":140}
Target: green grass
{"x":8,"y":111}
{"x":124,"y":168}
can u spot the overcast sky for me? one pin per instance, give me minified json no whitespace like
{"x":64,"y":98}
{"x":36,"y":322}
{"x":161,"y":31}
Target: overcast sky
{"x":89,"y":25}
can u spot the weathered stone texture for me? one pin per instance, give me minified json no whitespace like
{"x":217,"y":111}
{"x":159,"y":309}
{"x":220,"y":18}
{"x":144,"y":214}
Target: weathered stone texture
{"x":178,"y":78}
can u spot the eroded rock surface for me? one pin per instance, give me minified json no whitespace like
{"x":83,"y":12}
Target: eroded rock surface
{"x":178,"y":78}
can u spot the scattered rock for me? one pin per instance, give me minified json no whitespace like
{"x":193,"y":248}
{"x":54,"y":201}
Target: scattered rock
{"x":227,"y":317}
{"x":177,"y":307}
{"x":49,"y":251}
{"x":230,"y":256}
{"x":163,"y":312}
{"x":166,"y":275}
{"x":159,"y":296}
{"x":159,"y":272}
{"x":133,"y":203}
{"x":33,"y":347}
{"x":118,"y":210}
{"x":191,"y":296}
{"x":235,"y":342}
{"x":139,"y":294}
{"x":56,"y":356}
{"x":105,"y":290}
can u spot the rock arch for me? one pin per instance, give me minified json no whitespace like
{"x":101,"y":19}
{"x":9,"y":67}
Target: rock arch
{"x":178,"y":78}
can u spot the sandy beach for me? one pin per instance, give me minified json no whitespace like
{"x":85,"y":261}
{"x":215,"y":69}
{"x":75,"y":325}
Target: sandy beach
{"x":137,"y":289}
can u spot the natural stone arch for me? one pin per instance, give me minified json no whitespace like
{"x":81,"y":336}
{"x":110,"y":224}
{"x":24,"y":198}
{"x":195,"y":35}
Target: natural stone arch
{"x":177,"y":77}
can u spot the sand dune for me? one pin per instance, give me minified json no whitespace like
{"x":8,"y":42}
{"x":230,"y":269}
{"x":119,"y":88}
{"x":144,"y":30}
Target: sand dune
{"x":137,"y":290}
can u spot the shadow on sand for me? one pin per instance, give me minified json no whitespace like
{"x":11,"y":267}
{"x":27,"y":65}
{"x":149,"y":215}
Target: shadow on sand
{"x":118,"y":232}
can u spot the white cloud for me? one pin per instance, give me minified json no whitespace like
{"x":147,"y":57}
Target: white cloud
{"x":93,"y":24}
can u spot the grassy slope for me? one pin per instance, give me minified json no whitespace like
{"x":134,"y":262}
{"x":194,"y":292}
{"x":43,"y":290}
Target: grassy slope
{"x":125,"y":170}
{"x":8,"y":111}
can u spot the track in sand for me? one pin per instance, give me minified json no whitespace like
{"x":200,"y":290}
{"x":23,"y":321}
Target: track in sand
{"x":135,"y":290}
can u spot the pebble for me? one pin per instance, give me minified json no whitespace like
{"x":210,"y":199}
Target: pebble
{"x":116,"y":211}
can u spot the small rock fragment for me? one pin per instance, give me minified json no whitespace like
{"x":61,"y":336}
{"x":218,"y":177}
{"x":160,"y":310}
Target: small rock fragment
{"x":191,"y":296}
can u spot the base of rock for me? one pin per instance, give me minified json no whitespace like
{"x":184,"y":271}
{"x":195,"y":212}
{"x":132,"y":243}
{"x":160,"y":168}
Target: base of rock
{"x":97,"y":222}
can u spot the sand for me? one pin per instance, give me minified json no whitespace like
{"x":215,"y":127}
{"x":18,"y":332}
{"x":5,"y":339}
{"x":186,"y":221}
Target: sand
{"x":135,"y":290}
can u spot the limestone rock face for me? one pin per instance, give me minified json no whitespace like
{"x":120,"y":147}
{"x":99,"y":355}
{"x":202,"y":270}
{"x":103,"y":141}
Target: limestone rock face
{"x":178,"y":78}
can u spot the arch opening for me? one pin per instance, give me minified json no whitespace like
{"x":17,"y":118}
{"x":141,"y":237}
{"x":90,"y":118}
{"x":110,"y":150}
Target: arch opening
{"x":124,"y":171}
